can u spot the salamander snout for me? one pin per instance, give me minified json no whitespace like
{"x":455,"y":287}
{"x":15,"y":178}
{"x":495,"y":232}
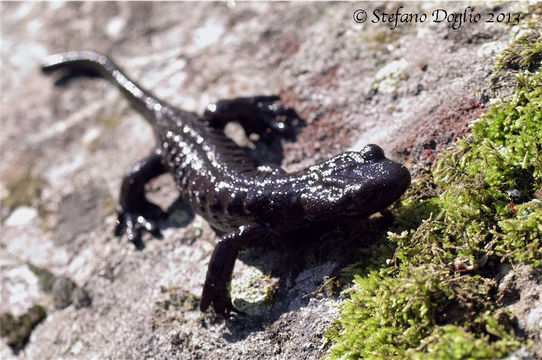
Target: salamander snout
{"x":377,"y":184}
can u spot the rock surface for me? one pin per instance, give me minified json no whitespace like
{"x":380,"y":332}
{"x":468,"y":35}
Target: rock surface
{"x":65,"y":149}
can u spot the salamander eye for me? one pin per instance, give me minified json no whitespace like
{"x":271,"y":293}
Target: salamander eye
{"x":372,"y":152}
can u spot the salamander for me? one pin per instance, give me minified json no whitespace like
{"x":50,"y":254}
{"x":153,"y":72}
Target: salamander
{"x":249,"y":204}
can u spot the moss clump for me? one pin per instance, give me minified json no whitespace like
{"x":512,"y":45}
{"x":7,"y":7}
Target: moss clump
{"x":522,"y":232}
{"x":17,"y":330}
{"x":471,"y":219}
{"x":524,"y":54}
{"x":503,"y":155}
{"x":455,"y":342}
{"x":402,"y":316}
{"x":436,"y":298}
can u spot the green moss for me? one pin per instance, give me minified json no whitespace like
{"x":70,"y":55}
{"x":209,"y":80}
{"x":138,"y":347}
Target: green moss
{"x":523,"y":232}
{"x":455,"y":342}
{"x":471,"y":218}
{"x":524,"y":54}
{"x":457,"y":222}
{"x":414,"y":315}
{"x":371,"y":258}
{"x":503,"y":154}
{"x":17,"y":330}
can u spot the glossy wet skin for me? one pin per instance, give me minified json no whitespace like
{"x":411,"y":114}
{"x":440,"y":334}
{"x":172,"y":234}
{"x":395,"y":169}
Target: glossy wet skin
{"x":356,"y":184}
{"x":222,"y":185}
{"x":250,"y":204}
{"x":349,"y":185}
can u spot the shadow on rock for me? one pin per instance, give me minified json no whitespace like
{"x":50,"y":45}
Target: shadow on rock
{"x":307,"y":264}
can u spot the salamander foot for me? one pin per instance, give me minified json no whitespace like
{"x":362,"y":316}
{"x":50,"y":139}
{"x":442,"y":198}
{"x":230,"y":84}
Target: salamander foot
{"x":135,"y":222}
{"x":219,"y":295}
{"x":262,"y":115}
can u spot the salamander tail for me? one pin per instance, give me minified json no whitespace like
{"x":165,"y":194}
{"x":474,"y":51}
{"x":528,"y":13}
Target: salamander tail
{"x":101,"y":65}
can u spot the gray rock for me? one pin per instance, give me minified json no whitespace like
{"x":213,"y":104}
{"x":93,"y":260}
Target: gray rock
{"x":73,"y":144}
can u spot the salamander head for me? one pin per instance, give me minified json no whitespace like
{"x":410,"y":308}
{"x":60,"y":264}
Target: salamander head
{"x":354,"y":184}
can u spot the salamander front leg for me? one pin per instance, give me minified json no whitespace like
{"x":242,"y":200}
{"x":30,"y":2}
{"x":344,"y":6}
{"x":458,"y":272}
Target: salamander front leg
{"x":216,"y":287}
{"x":135,"y":213}
{"x":261,"y":115}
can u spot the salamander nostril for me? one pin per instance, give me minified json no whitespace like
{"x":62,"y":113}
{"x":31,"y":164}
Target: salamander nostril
{"x":372,"y":152}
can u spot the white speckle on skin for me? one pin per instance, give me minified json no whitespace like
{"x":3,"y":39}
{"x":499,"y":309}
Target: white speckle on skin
{"x":22,"y":216}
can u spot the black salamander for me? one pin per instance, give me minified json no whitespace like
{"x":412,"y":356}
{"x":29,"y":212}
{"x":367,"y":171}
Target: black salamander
{"x":250,"y":204}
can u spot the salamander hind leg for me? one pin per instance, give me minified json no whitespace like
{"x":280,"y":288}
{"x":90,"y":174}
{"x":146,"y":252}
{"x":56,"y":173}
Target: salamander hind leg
{"x":135,"y":214}
{"x":219,"y":272}
{"x":262,"y":115}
